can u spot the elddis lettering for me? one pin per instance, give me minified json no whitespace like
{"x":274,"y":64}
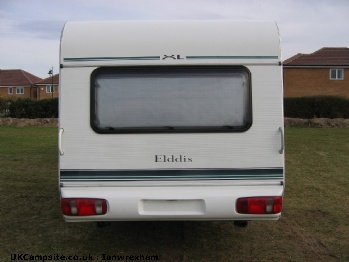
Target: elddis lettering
{"x":172,"y":159}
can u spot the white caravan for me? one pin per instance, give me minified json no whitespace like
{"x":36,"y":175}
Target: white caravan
{"x":171,"y":120}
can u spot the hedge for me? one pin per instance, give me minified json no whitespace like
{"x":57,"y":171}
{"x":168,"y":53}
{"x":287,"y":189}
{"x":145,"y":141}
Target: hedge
{"x":316,"y":107}
{"x":295,"y":107}
{"x":28,"y":108}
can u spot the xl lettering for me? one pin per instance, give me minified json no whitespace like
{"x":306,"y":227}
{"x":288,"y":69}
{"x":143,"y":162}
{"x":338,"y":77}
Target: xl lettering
{"x":173,"y":57}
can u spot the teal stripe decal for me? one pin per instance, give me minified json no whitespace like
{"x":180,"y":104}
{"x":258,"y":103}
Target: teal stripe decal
{"x":232,"y":57}
{"x":205,"y":174}
{"x":93,"y":59}
{"x":142,"y":58}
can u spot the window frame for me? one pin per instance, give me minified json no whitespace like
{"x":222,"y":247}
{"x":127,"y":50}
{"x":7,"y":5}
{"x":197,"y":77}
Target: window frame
{"x":10,"y":90}
{"x":20,"y":88}
{"x":336,"y":72}
{"x":141,"y":130}
{"x":50,"y":89}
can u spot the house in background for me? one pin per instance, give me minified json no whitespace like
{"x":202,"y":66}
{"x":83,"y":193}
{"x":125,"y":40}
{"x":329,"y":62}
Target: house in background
{"x":17,"y":83}
{"x":47,"y":88}
{"x":324,"y":72}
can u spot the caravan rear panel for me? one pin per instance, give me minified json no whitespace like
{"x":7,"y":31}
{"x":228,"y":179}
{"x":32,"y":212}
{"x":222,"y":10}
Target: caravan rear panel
{"x":171,"y":120}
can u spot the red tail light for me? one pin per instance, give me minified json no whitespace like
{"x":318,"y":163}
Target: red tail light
{"x":259,"y":205}
{"x":83,"y":206}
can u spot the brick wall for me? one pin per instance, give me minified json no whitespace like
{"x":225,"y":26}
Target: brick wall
{"x":3,"y":92}
{"x":28,"y":93}
{"x":42,"y":94}
{"x":37,"y":93}
{"x":313,"y":82}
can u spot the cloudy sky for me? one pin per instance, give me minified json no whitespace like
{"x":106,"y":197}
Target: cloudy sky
{"x":30,"y":29}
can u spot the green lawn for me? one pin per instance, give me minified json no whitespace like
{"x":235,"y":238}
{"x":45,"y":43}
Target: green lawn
{"x":314,"y":225}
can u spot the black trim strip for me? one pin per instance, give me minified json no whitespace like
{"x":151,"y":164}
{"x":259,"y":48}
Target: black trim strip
{"x":183,"y":174}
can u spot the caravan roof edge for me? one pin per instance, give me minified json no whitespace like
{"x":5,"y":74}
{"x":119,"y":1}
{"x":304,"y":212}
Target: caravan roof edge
{"x":170,"y":41}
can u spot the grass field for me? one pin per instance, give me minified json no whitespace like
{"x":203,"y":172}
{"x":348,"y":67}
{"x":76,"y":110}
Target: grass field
{"x":314,"y":225}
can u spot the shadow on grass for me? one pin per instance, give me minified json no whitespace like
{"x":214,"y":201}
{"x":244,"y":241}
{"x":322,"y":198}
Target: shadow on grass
{"x":171,"y":241}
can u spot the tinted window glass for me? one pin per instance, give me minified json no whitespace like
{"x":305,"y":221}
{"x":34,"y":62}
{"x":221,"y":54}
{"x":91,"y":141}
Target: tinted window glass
{"x":171,"y":99}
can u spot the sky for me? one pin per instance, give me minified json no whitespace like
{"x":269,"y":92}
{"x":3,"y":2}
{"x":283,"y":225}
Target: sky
{"x":30,"y":29}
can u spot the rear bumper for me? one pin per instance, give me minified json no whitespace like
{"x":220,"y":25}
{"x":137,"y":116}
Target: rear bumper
{"x":171,"y":203}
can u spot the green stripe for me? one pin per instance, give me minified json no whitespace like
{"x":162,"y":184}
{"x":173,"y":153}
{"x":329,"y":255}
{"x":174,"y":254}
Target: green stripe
{"x":94,"y":59}
{"x":89,"y":59}
{"x":232,"y":57}
{"x":205,"y":174}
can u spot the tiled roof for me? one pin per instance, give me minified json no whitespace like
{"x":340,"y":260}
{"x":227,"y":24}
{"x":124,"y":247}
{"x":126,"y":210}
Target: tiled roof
{"x":327,"y":56}
{"x":17,"y":77}
{"x":48,"y":80}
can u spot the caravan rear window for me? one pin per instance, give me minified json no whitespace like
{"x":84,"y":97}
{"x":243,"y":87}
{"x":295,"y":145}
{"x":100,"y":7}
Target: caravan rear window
{"x":170,"y":99}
